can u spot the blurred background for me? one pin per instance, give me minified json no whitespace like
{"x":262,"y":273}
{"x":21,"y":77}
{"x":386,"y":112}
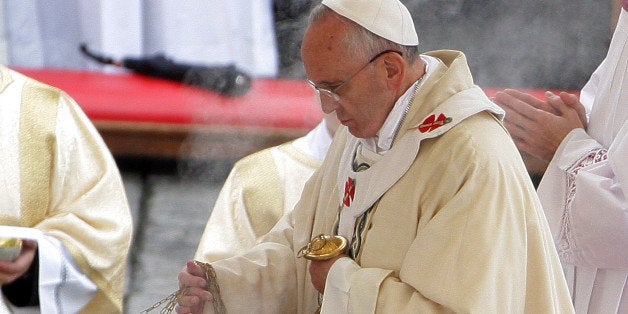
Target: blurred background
{"x":532,"y":44}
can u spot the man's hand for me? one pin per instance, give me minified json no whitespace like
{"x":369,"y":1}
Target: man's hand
{"x":12,"y":270}
{"x":538,"y":127}
{"x":192,"y":278}
{"x":319,"y":271}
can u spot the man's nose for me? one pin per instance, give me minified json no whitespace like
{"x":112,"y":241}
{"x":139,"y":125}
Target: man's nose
{"x":328,"y":105}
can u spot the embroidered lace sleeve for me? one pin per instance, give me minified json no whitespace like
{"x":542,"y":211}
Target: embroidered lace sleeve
{"x":594,"y":228}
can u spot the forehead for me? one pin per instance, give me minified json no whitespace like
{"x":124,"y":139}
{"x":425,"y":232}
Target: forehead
{"x":322,"y":50}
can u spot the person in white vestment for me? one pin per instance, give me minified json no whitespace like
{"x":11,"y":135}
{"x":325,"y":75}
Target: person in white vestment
{"x":585,"y":186}
{"x":260,"y":189}
{"x":421,"y":182}
{"x":63,"y":196}
{"x":48,"y":33}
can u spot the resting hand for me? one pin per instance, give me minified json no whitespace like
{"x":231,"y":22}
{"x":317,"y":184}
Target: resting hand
{"x":538,"y":127}
{"x":12,"y":270}
{"x":192,"y":278}
{"x":319,"y":271}
{"x":573,"y":102}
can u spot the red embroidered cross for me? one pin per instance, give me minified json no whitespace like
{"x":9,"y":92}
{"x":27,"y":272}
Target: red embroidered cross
{"x":349,"y":192}
{"x":432,"y":123}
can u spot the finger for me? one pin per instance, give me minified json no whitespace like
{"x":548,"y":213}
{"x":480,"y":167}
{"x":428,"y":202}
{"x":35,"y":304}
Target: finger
{"x":188,"y":309}
{"x":570,"y":109}
{"x":29,"y":244}
{"x":520,"y":116}
{"x":572,"y":101}
{"x":192,"y":300}
{"x":188,"y":300}
{"x":194,"y":269}
{"x":512,"y":104}
{"x":192,"y":303}
{"x":556,"y":103}
{"x":183,"y":309}
{"x":25,"y":259}
{"x":12,"y":267}
{"x":189,"y":280}
{"x":528,"y":99}
{"x":200,"y":293}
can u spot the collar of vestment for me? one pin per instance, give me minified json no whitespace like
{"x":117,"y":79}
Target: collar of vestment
{"x":361,"y":189}
{"x":385,"y":136}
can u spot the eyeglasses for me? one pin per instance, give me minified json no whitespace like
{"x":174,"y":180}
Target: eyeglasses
{"x":333,"y":93}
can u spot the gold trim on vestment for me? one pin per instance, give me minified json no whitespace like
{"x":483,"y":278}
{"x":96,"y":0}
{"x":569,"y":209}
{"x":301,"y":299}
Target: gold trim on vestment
{"x":38,"y":116}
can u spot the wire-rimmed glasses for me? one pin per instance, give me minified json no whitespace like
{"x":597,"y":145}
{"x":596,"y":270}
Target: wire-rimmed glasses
{"x":333,"y":92}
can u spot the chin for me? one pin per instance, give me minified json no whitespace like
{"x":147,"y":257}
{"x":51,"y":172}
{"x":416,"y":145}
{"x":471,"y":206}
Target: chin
{"x":359,"y":133}
{"x":354,"y":132}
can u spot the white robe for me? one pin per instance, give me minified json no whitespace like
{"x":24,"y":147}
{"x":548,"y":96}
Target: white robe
{"x":585,"y":187}
{"x":207,"y":32}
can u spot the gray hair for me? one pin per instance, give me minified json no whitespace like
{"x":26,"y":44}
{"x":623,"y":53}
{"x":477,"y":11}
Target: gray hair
{"x":362,"y":42}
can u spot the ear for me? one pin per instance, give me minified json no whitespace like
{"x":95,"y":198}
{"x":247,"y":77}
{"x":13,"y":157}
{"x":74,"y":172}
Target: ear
{"x":394,"y":69}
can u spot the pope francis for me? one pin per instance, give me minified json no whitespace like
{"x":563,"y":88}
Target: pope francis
{"x":421,"y":182}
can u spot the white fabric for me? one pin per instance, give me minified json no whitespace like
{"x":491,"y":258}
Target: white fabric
{"x":214,"y":31}
{"x":3,"y":39}
{"x":62,"y":286}
{"x":386,"y":135}
{"x":338,"y":284}
{"x":208,"y":32}
{"x":591,"y":232}
{"x":389,"y":19}
{"x":316,"y":142}
{"x":40,"y":37}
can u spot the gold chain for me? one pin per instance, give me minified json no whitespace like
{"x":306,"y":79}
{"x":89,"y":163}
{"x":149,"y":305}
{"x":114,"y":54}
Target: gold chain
{"x":212,"y":286}
{"x":170,"y":301}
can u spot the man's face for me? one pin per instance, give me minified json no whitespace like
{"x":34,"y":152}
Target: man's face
{"x":364,"y":102}
{"x":624,"y":4}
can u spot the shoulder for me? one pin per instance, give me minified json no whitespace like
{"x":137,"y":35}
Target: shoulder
{"x":481,"y":138}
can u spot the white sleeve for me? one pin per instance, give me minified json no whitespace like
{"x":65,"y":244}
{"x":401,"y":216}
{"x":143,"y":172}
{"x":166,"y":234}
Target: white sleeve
{"x":63,"y":288}
{"x":350,"y":288}
{"x":337,"y":286}
{"x":595,"y":223}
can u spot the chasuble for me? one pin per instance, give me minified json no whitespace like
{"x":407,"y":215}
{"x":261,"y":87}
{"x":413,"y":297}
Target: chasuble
{"x":449,"y":221}
{"x":61,"y":182}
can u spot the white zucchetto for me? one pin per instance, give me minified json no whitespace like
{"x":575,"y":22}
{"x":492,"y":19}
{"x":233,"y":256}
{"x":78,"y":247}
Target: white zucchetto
{"x":389,"y":19}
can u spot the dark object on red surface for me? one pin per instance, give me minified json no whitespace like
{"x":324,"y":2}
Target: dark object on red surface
{"x":226,"y":80}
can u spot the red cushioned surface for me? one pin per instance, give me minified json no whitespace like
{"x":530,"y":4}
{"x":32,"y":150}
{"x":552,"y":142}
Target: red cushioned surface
{"x":137,"y":98}
{"x":277,"y":103}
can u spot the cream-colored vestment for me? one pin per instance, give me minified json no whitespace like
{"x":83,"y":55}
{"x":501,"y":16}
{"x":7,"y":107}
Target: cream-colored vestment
{"x":585,"y":187}
{"x":259,"y":190}
{"x":453,"y":224}
{"x":59,"y":178}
